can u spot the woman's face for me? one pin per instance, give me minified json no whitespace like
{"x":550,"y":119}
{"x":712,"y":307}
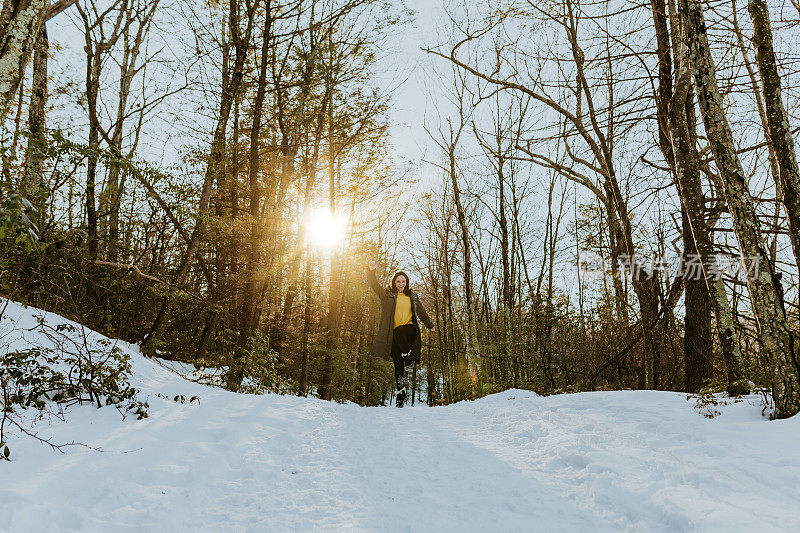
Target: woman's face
{"x":400,"y":283}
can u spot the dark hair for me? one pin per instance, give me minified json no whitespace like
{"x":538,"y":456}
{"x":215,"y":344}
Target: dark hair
{"x":392,"y":286}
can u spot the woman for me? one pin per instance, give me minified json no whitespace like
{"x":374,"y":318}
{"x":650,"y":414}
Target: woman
{"x":399,"y":334}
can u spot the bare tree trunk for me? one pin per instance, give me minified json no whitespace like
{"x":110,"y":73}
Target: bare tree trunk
{"x":34,"y":187}
{"x":20,"y":21}
{"x":758,"y":95}
{"x":335,"y":283}
{"x":677,"y":142}
{"x":759,"y":98}
{"x":112,"y":194}
{"x":473,"y":349}
{"x":92,"y":85}
{"x":697,"y":352}
{"x":775,"y":339}
{"x":249,"y":312}
{"x":504,"y":252}
{"x":687,"y":171}
{"x":688,"y":175}
{"x":304,"y":348}
{"x":780,"y":134}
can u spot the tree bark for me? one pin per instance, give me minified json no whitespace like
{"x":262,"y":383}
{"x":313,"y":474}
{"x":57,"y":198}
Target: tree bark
{"x":304,"y":347}
{"x":775,"y":339}
{"x":473,"y":350}
{"x":335,"y":281}
{"x":20,"y":21}
{"x":249,"y":314}
{"x":34,"y":187}
{"x":780,"y":134}
{"x":677,"y":140}
{"x":92,"y":87}
{"x":682,"y":124}
{"x":697,"y":323}
{"x":697,"y":353}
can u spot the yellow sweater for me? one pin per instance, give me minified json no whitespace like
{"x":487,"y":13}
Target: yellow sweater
{"x":402,"y":311}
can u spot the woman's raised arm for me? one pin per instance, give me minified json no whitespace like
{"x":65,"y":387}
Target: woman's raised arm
{"x":373,"y":281}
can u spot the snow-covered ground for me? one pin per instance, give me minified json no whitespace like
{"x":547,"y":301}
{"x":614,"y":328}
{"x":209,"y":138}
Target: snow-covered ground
{"x":628,"y":460}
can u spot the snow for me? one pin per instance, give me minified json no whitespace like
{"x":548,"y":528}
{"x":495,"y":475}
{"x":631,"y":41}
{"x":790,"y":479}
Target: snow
{"x":607,"y":461}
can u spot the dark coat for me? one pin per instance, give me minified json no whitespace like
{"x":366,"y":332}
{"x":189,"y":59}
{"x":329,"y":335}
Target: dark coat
{"x":382,"y":345}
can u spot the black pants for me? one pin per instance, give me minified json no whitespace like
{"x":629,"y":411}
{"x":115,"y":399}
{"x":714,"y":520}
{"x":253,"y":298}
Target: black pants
{"x":402,"y":340}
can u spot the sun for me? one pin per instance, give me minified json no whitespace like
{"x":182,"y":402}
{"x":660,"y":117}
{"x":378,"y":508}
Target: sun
{"x":324,"y":229}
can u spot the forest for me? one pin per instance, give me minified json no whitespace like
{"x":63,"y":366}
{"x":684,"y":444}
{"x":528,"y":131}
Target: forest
{"x":608,"y":196}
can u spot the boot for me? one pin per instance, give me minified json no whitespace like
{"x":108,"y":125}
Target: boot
{"x":400,"y":396}
{"x":400,"y":393}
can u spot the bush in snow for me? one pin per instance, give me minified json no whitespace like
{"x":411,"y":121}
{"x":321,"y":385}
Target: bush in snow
{"x":719,"y":393}
{"x":69,"y":370}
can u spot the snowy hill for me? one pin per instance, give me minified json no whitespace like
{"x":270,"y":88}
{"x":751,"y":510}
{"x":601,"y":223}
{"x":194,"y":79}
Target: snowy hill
{"x":627,"y":460}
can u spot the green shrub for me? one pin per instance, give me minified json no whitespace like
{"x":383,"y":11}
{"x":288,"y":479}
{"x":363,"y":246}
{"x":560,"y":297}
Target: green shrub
{"x":71,"y":371}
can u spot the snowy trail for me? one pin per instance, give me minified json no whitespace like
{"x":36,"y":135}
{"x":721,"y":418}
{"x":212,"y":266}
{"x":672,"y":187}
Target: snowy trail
{"x":233,"y":466}
{"x":606,"y":461}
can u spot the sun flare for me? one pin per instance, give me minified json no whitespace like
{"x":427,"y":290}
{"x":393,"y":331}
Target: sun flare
{"x":324,"y":229}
